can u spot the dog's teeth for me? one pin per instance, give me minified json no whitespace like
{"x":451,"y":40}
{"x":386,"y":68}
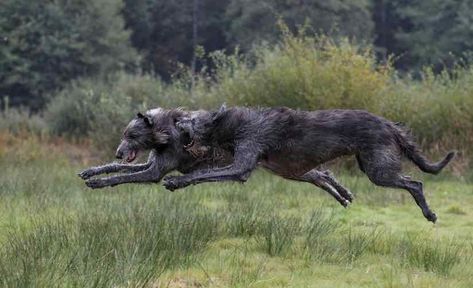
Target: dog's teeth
{"x":189,"y":145}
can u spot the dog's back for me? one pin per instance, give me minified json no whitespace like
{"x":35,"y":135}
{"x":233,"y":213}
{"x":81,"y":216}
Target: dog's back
{"x":340,"y":131}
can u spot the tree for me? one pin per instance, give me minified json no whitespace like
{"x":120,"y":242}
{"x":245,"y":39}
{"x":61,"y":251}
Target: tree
{"x":420,"y":33}
{"x":163,"y":30}
{"x":255,"y":21}
{"x":48,"y":43}
{"x":440,"y":32}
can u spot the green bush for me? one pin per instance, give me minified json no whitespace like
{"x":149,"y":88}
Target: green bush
{"x":304,"y":72}
{"x":101,"y":109}
{"x":318,"y":73}
{"x":20,"y":120}
{"x":437,"y":108}
{"x":299,"y":72}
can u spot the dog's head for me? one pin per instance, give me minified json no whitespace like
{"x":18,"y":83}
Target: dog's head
{"x":162,"y":129}
{"x":156,"y":129}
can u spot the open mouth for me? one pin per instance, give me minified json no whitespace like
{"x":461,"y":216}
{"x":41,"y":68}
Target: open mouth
{"x":131,"y":156}
{"x":189,"y":145}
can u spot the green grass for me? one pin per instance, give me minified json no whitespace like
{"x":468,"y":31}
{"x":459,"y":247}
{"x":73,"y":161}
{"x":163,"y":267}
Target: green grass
{"x":54,"y":232}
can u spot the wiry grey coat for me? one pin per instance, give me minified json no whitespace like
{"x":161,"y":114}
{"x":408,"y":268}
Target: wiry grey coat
{"x":289,"y":143}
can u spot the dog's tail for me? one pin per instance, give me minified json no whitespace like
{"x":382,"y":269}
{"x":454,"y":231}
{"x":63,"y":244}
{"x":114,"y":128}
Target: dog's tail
{"x":413,"y":153}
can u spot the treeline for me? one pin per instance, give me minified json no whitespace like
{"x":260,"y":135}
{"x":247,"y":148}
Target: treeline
{"x":46,"y":44}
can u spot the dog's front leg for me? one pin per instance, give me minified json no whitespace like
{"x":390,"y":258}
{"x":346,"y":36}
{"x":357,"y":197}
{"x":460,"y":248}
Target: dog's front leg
{"x":151,"y":175}
{"x":162,"y":164}
{"x":117,"y":167}
{"x":245,"y":160}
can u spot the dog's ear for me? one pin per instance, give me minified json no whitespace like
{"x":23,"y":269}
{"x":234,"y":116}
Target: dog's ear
{"x":217,"y":115}
{"x":148,"y":120}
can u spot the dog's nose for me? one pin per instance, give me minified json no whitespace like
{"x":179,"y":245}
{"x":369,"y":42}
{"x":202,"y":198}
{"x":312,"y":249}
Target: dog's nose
{"x":119,"y":154}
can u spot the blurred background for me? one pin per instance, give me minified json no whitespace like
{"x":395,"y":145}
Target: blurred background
{"x":81,"y":69}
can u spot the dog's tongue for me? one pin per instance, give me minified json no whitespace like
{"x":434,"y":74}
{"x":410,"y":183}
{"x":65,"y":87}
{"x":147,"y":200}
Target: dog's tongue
{"x":131,"y":156}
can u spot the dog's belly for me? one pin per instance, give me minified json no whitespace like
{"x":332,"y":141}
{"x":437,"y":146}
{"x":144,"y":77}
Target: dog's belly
{"x":293,"y":163}
{"x":287,"y":165}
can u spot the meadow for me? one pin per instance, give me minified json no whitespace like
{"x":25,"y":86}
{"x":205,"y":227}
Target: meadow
{"x":269,"y":232}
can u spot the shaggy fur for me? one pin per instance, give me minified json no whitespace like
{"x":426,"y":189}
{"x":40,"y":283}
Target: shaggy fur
{"x":287,"y":142}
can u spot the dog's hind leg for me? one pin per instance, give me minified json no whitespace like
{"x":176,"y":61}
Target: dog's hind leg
{"x":383,"y":168}
{"x":344,"y":192}
{"x":321,"y":180}
{"x":414,"y":188}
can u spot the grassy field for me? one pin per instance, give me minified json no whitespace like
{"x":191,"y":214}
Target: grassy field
{"x":54,"y":232}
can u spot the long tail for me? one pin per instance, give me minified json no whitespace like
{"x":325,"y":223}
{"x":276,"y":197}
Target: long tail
{"x":413,"y":153}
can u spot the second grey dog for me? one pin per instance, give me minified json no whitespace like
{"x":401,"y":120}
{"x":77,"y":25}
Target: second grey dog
{"x":291,"y":144}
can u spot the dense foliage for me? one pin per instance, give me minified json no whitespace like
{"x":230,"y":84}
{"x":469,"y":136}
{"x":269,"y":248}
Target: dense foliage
{"x":299,"y":72}
{"x":48,"y":43}
{"x":75,"y":57}
{"x":436,"y":32}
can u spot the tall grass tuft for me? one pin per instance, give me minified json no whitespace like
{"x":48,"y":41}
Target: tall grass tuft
{"x":358,"y":243}
{"x":317,"y":236}
{"x":106,"y":248}
{"x":245,"y":219}
{"x":430,"y":255}
{"x":278,"y":234}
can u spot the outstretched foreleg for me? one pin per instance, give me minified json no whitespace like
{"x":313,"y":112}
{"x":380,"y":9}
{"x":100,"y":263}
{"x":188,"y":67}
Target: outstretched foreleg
{"x":245,"y":160}
{"x":162,"y":164}
{"x":151,"y":175}
{"x":117,"y":167}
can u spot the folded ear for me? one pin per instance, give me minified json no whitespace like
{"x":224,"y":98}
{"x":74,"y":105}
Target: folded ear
{"x":148,"y":120}
{"x":217,"y":115}
{"x":222,"y":108}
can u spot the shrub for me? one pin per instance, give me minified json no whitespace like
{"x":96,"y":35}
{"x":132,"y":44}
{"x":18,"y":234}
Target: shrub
{"x":305,"y":72}
{"x":300,"y":72}
{"x":100,"y":109}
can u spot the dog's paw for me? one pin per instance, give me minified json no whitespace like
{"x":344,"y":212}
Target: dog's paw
{"x":345,"y":203}
{"x":86,"y":174}
{"x":432,"y":217}
{"x":95,"y":183}
{"x":349,"y":196}
{"x":172,"y":183}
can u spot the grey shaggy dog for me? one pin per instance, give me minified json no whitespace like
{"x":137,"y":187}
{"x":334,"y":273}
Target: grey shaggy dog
{"x":229,"y":144}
